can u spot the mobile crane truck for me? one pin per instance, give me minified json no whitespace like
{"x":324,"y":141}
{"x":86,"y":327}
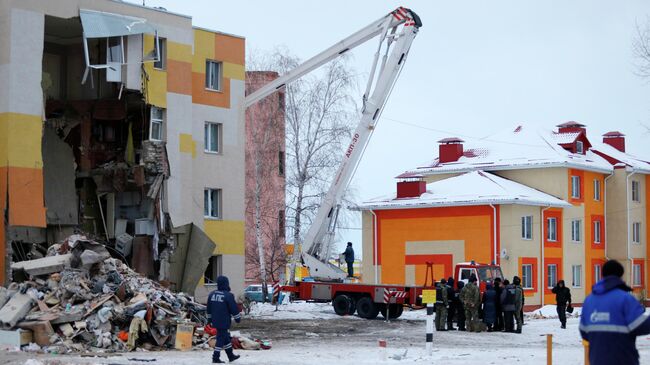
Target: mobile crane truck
{"x":396,"y":32}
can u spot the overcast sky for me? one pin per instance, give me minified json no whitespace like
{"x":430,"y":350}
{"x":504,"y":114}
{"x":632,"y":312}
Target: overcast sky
{"x":476,"y":67}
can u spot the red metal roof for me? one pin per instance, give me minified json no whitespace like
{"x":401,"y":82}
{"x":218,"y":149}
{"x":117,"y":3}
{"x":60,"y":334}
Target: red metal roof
{"x":614,"y":134}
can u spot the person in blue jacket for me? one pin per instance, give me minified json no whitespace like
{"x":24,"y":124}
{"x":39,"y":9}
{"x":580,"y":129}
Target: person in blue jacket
{"x":221,"y":307}
{"x":612,"y":319}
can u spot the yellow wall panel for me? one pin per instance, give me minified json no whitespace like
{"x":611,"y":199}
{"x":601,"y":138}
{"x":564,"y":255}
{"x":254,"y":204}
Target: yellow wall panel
{"x":156,"y":82}
{"x":233,"y":71}
{"x":20,"y":140}
{"x":228,"y":235}
{"x":187,"y":144}
{"x":179,"y":51}
{"x":203,"y":49}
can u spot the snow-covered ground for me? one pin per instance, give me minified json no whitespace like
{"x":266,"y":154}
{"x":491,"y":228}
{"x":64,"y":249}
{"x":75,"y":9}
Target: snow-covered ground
{"x":310,"y":333}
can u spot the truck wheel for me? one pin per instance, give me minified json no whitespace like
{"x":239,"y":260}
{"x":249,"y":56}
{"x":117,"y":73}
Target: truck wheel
{"x":366,"y":308}
{"x":341,"y":304}
{"x":353,"y":307}
{"x":396,"y":310}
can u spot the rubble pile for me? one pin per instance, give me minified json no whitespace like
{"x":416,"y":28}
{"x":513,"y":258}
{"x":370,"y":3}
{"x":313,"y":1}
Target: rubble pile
{"x":78,"y":298}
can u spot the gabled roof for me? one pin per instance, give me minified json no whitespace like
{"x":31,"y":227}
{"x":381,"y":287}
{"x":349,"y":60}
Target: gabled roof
{"x":516,"y":148}
{"x":637,"y":163}
{"x":472,"y":188}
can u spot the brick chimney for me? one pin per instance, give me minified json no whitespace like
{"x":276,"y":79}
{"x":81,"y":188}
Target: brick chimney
{"x":411,"y":188}
{"x":615,"y":139}
{"x":450,"y":149}
{"x":570,"y":127}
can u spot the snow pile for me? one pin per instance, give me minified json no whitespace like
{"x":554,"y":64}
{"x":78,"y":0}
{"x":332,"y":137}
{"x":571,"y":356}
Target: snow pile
{"x":550,"y":311}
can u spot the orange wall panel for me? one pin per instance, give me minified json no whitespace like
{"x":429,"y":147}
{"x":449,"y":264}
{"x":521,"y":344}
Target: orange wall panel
{"x":229,"y":49}
{"x":26,"y":197}
{"x":200,"y":95}
{"x":179,"y":77}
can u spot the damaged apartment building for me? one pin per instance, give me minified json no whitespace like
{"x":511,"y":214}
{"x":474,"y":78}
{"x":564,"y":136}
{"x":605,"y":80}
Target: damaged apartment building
{"x":125,"y":123}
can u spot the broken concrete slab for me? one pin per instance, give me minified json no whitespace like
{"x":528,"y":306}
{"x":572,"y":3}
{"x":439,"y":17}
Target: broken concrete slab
{"x":15,"y":310}
{"x":46,"y":265}
{"x":42,"y":331}
{"x":15,"y":338}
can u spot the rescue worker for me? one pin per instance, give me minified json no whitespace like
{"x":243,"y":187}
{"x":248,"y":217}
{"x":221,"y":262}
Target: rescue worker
{"x":508,"y":305}
{"x":612,"y":319}
{"x":349,"y":259}
{"x":441,"y":305}
{"x":460,"y":309}
{"x":221,"y":307}
{"x":452,"y":304}
{"x":519,"y":303}
{"x":489,"y":307}
{"x":562,"y":299}
{"x":471,"y":298}
{"x":498,"y":289}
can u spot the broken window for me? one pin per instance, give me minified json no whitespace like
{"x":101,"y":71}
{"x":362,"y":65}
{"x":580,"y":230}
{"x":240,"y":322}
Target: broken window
{"x":213,"y":75}
{"x":281,"y":163}
{"x":156,"y":127}
{"x":212,"y":137}
{"x":160,"y":63}
{"x":212,"y":203}
{"x":214,"y":269}
{"x":281,"y":227}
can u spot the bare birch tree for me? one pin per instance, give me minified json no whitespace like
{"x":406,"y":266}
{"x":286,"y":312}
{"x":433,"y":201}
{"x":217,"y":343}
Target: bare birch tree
{"x":641,"y":49}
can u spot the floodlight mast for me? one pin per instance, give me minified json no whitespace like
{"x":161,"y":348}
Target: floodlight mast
{"x":397,"y":30}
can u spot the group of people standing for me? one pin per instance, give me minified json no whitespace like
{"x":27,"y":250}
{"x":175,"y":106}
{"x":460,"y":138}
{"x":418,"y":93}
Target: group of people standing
{"x":498,"y":309}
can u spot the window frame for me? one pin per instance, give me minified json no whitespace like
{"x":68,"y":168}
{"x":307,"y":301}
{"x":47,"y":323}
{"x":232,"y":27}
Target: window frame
{"x":598,"y":272}
{"x":548,"y":275}
{"x":207,"y":133}
{"x":597,"y":190}
{"x":576,"y":232}
{"x":597,"y":228}
{"x":636,"y":283}
{"x":281,"y":163}
{"x":548,"y":229}
{"x":527,"y":227}
{"x":162,"y":54}
{"x":525,"y":277}
{"x":153,"y":121}
{"x":219,"y":78}
{"x":580,"y":147}
{"x":636,"y":193}
{"x":636,"y":233}
{"x":576,"y":269}
{"x":575,"y":189}
{"x":281,"y":223}
{"x":208,"y":203}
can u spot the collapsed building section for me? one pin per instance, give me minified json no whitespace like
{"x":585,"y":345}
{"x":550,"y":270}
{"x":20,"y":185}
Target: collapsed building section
{"x":124,"y":123}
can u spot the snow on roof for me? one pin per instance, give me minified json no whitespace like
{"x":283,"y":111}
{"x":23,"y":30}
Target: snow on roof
{"x":565,"y":138}
{"x":521,"y":147}
{"x":637,"y":163}
{"x":472,"y":188}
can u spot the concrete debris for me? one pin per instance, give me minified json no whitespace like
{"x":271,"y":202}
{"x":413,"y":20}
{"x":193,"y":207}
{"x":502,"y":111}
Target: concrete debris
{"x":80,"y":299}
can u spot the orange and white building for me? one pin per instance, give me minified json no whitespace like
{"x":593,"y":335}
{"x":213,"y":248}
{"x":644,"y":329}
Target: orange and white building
{"x":545,"y":205}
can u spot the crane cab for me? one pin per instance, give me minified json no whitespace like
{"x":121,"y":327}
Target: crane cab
{"x":484,"y":273}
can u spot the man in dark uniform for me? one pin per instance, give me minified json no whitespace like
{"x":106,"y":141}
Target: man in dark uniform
{"x":221,"y":306}
{"x":460,"y":309}
{"x":498,"y":288}
{"x":452,"y":304}
{"x":349,"y":259}
{"x":562,"y":299}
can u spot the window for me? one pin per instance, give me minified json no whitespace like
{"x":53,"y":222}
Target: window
{"x":212,"y":203}
{"x":636,"y":232}
{"x":281,"y":220}
{"x":527,"y":227}
{"x":551,"y":275}
{"x":162,"y":54}
{"x":551,"y":229}
{"x":213,"y":75}
{"x":597,"y":231}
{"x":597,"y":273}
{"x":635,"y":191}
{"x":596,"y":189}
{"x":213,"y":271}
{"x":156,"y":126}
{"x":577,"y":276}
{"x":281,"y":163}
{"x":579,"y":147}
{"x":575,"y":230}
{"x":527,"y":276}
{"x":212,"y":137}
{"x":575,"y":187}
{"x":636,"y":275}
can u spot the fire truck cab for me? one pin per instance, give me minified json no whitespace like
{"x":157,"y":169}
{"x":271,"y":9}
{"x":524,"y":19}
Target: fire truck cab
{"x":484,"y":273}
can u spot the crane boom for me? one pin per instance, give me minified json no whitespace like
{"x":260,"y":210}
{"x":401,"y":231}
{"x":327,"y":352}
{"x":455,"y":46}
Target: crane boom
{"x":397,"y":31}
